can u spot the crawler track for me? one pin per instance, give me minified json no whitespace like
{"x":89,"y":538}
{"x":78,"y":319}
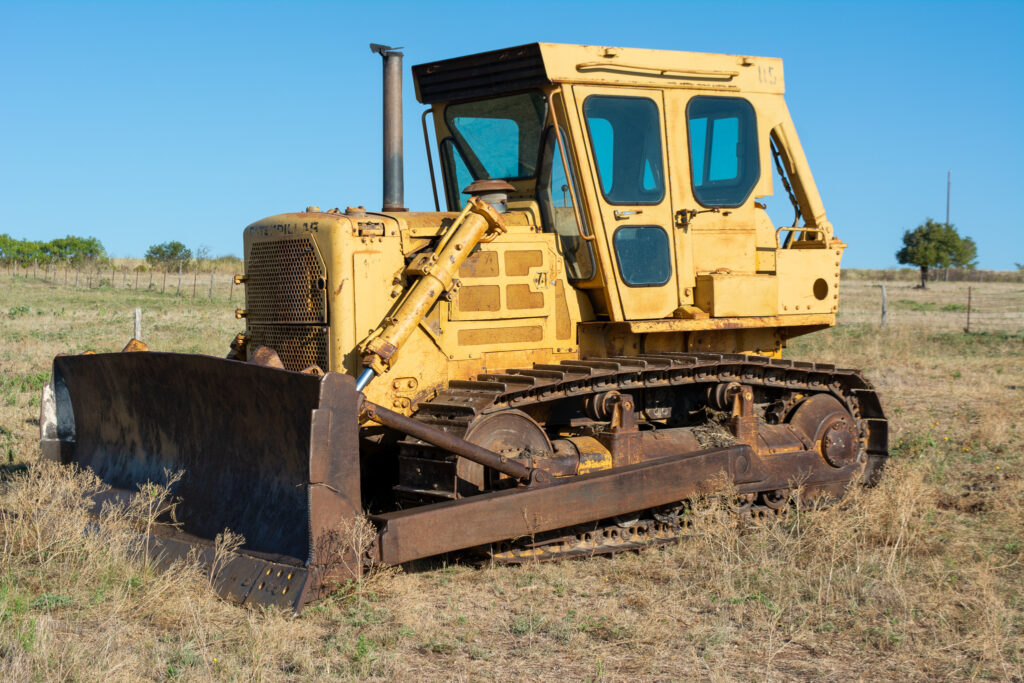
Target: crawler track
{"x":667,"y":389}
{"x":650,"y":528}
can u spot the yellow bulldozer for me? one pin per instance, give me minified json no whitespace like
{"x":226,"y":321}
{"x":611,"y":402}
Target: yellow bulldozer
{"x":587,"y":336}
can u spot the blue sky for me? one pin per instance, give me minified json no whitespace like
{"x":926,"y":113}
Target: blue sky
{"x":144,"y":122}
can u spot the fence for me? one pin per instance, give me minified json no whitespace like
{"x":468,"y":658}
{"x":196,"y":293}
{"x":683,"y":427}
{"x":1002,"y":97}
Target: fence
{"x":944,"y":306}
{"x":191,"y":283}
{"x":934,"y":275}
{"x":994,"y":306}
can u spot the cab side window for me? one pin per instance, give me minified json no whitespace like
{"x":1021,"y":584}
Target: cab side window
{"x":724,"y":160}
{"x":456,"y":174}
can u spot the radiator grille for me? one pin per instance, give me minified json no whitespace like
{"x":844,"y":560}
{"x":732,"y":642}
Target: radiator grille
{"x":286,"y":300}
{"x":285,"y":283}
{"x":299,"y":346}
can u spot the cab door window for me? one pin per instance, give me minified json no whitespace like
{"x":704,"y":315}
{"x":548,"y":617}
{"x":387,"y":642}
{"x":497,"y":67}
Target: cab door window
{"x":644,"y":255}
{"x":626,"y":139}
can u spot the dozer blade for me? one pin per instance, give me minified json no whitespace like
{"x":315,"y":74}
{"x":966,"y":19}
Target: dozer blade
{"x":267,"y":453}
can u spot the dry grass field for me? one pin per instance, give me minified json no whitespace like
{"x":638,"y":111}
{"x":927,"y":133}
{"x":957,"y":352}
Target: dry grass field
{"x":920,"y":578}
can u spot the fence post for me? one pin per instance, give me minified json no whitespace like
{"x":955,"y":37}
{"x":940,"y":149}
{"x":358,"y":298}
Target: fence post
{"x":33,"y":269}
{"x":138,"y":324}
{"x":124,"y":277}
{"x":195,"y":279}
{"x":968,"y":328}
{"x":885,"y":306}
{"x":211,"y":284}
{"x":77,"y":271}
{"x":178,"y":293}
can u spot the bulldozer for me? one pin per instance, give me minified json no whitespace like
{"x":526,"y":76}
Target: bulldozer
{"x":584,"y":336}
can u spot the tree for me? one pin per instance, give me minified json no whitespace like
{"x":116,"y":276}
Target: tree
{"x":73,"y":249}
{"x":936,"y":245}
{"x":966,"y":255}
{"x":168,"y":255}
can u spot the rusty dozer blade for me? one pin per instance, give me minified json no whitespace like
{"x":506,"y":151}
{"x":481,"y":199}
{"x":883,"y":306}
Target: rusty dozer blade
{"x":269,"y":454}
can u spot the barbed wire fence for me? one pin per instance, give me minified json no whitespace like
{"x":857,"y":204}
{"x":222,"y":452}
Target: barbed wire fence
{"x":206,"y":281}
{"x":991,"y":307}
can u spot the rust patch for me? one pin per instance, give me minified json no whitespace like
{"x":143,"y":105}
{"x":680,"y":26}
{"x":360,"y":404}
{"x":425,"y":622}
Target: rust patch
{"x":134,"y":345}
{"x":265,"y":356}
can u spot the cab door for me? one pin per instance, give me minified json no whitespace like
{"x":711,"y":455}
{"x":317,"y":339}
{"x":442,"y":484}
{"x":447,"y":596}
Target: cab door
{"x":625,"y":146}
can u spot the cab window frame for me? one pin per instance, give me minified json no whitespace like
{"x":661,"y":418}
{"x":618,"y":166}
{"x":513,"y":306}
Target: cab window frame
{"x":447,"y":149}
{"x":544,"y":175}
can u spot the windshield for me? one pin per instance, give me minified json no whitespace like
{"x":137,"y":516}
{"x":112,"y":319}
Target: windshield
{"x":499,"y":137}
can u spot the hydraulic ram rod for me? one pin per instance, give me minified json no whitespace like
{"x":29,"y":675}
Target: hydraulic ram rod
{"x":449,"y":442}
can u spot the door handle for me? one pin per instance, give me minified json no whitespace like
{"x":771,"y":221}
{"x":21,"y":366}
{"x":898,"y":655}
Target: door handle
{"x":684,"y":216}
{"x":623,"y":215}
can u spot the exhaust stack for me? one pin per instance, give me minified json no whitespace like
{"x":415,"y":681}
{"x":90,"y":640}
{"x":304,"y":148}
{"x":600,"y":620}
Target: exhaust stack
{"x":394,"y":173}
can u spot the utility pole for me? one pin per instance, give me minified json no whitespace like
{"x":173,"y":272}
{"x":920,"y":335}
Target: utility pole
{"x":949,"y":184}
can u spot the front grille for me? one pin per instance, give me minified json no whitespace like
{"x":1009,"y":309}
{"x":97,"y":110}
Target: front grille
{"x":285,"y":283}
{"x":286,"y":300}
{"x":299,"y":346}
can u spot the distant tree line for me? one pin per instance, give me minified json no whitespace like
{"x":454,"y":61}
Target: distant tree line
{"x":68,"y":250}
{"x":89,"y":251}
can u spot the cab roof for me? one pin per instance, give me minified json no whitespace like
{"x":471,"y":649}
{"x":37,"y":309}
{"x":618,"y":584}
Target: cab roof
{"x":539,"y":65}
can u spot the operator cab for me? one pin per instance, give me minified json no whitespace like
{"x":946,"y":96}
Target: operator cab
{"x":647,"y":166}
